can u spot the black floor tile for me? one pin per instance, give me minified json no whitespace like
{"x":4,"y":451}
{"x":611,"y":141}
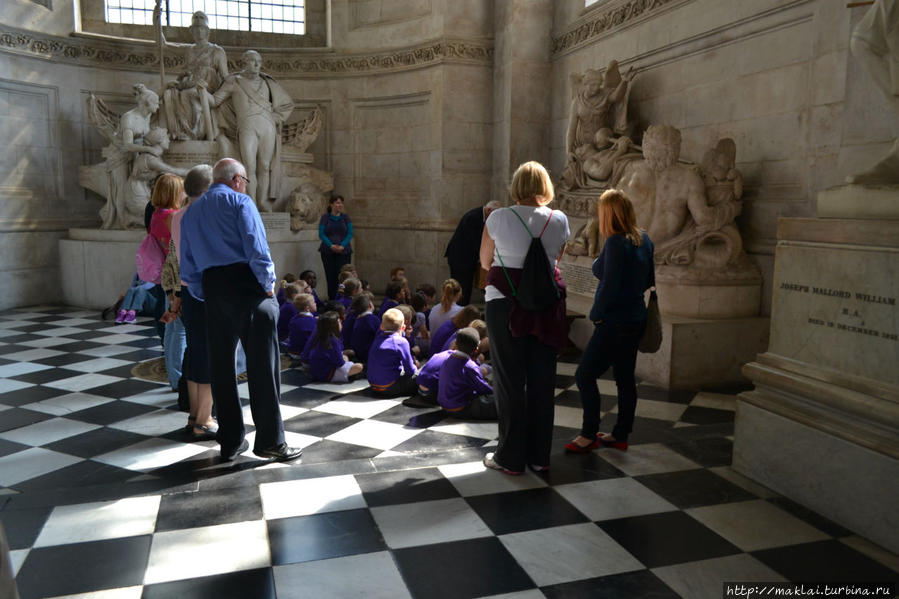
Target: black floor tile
{"x":334,"y":451}
{"x":323,"y":536}
{"x":642,"y":583}
{"x":319,"y":424}
{"x":96,"y":442}
{"x":208,"y":508}
{"x":13,"y":347}
{"x":28,"y":326}
{"x":29,"y":395}
{"x":292,"y":376}
{"x":697,"y":415}
{"x":23,"y":526}
{"x":667,"y":538}
{"x":646,"y":430}
{"x":45,"y":376}
{"x":82,"y":567}
{"x":813,"y":518}
{"x":139,"y":355}
{"x":258,"y":584}
{"x":824,"y":561}
{"x":8,"y":447}
{"x":412,"y":417}
{"x":125,"y":388}
{"x":405,"y":486}
{"x":647,"y":391}
{"x":694,"y":488}
{"x":567,"y":468}
{"x":428,"y":441}
{"x":145,"y":343}
{"x":109,"y":413}
{"x":570,"y":398}
{"x":78,"y":346}
{"x":64,"y":359}
{"x":304,"y":398}
{"x":77,"y":475}
{"x":17,"y":417}
{"x":710,"y":452}
{"x":518,"y":511}
{"x":473,"y":568}
{"x":122,"y":371}
{"x":563,"y":381}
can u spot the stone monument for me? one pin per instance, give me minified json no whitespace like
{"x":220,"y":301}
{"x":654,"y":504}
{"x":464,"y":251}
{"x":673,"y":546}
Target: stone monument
{"x":822,"y":424}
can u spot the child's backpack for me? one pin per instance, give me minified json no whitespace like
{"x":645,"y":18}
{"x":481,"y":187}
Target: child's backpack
{"x":537,"y":289}
{"x":149,"y":260}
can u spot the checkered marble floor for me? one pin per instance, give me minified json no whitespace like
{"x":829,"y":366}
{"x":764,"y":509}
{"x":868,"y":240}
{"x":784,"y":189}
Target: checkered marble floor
{"x":102,"y":496}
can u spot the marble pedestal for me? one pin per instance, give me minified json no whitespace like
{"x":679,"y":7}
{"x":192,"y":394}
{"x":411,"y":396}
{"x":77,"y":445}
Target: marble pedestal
{"x":96,"y":265}
{"x":822,"y":424}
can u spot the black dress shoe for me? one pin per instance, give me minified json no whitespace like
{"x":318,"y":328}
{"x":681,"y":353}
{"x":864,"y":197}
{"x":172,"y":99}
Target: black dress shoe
{"x":280,"y":453}
{"x":230,"y":454}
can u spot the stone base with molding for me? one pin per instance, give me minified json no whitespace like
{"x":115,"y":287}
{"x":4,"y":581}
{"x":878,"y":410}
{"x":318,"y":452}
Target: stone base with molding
{"x":695,"y":352}
{"x":97,"y":265}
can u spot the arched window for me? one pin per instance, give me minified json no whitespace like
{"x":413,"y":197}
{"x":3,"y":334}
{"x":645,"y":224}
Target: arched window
{"x":264,"y":16}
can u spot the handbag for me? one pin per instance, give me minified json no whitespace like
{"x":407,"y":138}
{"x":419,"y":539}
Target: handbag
{"x":651,"y":340}
{"x":149,"y":260}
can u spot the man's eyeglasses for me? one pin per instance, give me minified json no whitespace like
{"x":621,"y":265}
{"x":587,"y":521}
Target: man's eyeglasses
{"x":245,"y":180}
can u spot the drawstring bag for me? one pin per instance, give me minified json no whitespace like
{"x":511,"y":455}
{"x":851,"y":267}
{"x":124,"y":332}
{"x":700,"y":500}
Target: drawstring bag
{"x":149,"y":260}
{"x":537,"y":290}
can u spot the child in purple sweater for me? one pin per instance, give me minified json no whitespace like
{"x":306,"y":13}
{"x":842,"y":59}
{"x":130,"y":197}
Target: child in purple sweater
{"x":365,"y":328}
{"x":440,"y":338}
{"x":391,"y":369}
{"x":324,"y":352}
{"x":302,"y":326}
{"x":311,"y":280}
{"x":287,"y":310}
{"x":393,"y":295}
{"x":462,"y":391}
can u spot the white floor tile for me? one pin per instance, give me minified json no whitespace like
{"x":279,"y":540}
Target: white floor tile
{"x":49,"y":341}
{"x":17,"y":557}
{"x":151,"y":454}
{"x":68,"y":403}
{"x":7,"y":385}
{"x":310,"y":496}
{"x":27,"y":464}
{"x":120,"y":593}
{"x":101,"y":520}
{"x":473,"y":478}
{"x":351,"y":387}
{"x":613,"y":498}
{"x":70,"y":321}
{"x":755,"y":525}
{"x":161,"y":397}
{"x":32,"y":354}
{"x":428,"y":522}
{"x":117,"y":329}
{"x":660,"y":410}
{"x":107,"y":350}
{"x":357,"y":407}
{"x":717,"y":401}
{"x":287,"y":412}
{"x":478,"y":430}
{"x":154,"y":424}
{"x":98,"y":364}
{"x":371,"y":433}
{"x":208,"y":550}
{"x":59,"y":331}
{"x":24,"y":314}
{"x":650,"y":458}
{"x":529,"y":594}
{"x":567,"y":553}
{"x":47,"y":431}
{"x":117,"y":339}
{"x":566,"y":368}
{"x":702,"y":579}
{"x":8,"y":332}
{"x":20,"y":368}
{"x":82,"y":382}
{"x":372,"y":575}
{"x":568,"y":417}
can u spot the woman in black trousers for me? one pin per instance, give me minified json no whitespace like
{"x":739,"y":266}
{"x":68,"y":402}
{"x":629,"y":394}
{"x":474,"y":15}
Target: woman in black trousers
{"x":335,"y":230}
{"x":625,"y":271}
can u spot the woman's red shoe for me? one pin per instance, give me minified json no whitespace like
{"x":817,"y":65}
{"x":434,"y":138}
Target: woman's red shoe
{"x":608,"y":440}
{"x":573,"y":447}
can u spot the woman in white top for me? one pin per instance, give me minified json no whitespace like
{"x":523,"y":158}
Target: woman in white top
{"x":523,"y":345}
{"x":447,"y":308}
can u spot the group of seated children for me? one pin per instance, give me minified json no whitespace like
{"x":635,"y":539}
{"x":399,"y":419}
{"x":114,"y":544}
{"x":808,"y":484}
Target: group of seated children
{"x":337,"y":340}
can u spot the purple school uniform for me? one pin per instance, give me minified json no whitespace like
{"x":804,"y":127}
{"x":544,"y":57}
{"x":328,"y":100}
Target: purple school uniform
{"x":302,"y":326}
{"x":449,"y":342}
{"x":364,"y":331}
{"x":460,"y":381}
{"x":429,"y":375}
{"x":318,"y":302}
{"x":386,"y":305}
{"x":346,"y":333}
{"x":280,"y":296}
{"x":285,"y":315}
{"x":323,"y":361}
{"x":344,"y":299}
{"x":389,"y":358}
{"x":439,"y":337}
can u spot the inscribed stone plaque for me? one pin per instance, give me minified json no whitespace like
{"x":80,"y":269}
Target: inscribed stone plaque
{"x":275,"y":221}
{"x":835,"y":307}
{"x":579,"y":279}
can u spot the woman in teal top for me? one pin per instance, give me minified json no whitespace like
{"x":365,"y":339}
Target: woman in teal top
{"x":335,"y":229}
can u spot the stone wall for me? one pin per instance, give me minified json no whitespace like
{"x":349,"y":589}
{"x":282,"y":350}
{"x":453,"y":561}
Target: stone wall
{"x":771,"y":74}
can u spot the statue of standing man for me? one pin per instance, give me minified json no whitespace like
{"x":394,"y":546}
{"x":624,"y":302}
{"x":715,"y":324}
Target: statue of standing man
{"x":260,"y":106}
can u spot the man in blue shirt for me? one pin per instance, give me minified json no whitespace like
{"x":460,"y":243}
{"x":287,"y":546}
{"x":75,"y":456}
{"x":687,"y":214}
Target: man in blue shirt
{"x":225,"y":261}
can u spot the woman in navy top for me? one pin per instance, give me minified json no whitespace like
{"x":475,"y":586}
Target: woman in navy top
{"x":335,"y":229}
{"x":625,"y":271}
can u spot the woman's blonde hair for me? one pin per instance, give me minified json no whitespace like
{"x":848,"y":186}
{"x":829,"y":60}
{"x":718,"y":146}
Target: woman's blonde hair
{"x":451,"y":290}
{"x":531,"y":181}
{"x":616,"y":216}
{"x":168,"y":191}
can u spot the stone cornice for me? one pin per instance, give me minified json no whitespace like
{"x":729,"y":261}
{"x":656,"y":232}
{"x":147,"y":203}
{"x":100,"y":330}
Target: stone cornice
{"x":605,"y":20}
{"x":135,"y":55}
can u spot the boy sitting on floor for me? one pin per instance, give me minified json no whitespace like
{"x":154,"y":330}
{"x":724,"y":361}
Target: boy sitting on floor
{"x":462,"y":390}
{"x":391,"y":369}
{"x":301,"y":326}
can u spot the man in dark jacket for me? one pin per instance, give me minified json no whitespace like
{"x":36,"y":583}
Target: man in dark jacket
{"x":462,"y":251}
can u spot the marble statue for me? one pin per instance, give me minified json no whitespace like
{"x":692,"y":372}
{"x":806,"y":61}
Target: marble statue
{"x":307,"y":204}
{"x":688,"y":210}
{"x":187,"y":112}
{"x":255,"y":112}
{"x":875,"y":44}
{"x":597,"y":127}
{"x":132,"y":159}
